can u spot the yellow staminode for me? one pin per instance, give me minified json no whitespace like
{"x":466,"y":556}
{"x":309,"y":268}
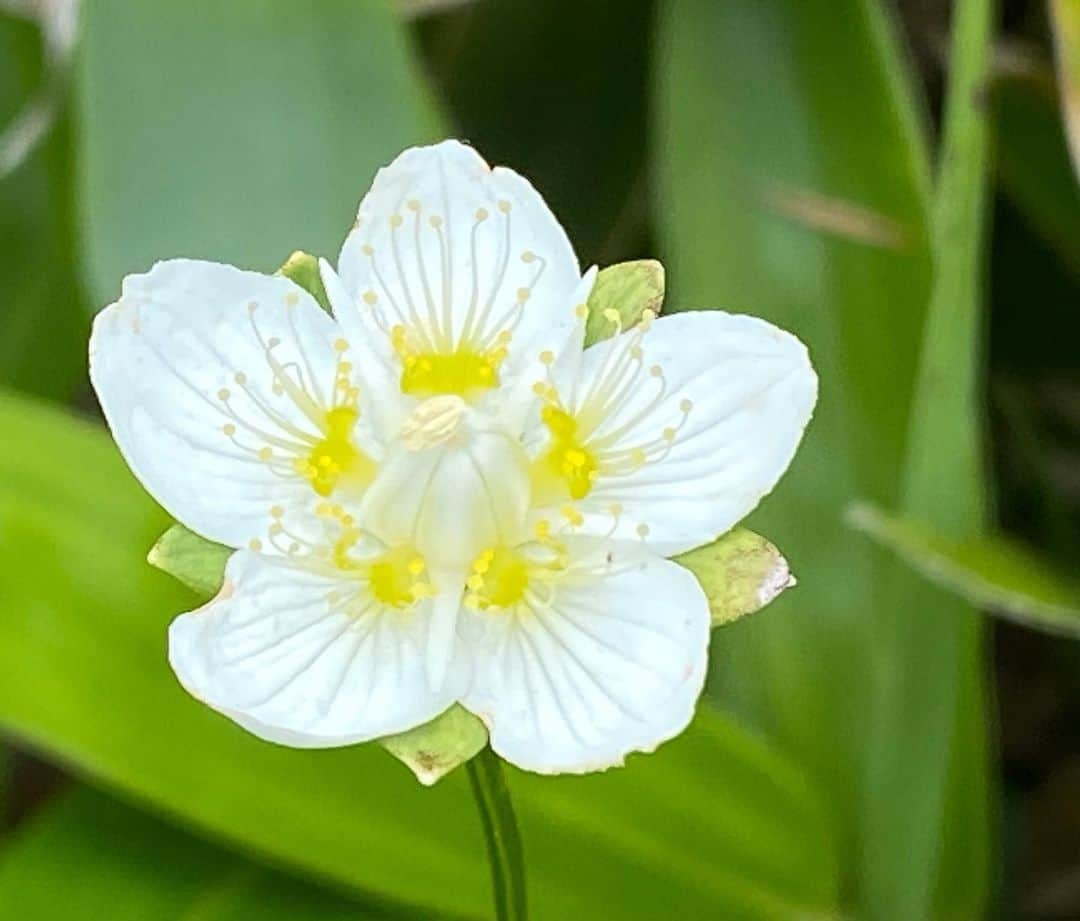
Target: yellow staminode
{"x":397,"y":577}
{"x":335,"y":457}
{"x":498,"y":580}
{"x":567,"y":460}
{"x":464,"y":371}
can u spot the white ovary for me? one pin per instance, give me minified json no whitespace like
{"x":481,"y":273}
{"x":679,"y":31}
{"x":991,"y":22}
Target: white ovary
{"x":459,"y":275}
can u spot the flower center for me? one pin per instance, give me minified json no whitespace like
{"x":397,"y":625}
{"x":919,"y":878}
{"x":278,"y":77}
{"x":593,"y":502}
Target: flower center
{"x":335,"y":457}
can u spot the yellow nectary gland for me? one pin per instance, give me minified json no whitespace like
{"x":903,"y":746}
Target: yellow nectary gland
{"x":567,"y":461}
{"x":336,"y":457}
{"x":498,"y":580}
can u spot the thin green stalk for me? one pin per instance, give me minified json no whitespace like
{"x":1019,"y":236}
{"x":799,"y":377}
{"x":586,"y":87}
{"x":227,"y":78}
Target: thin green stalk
{"x":501,"y":831}
{"x":927,"y":854}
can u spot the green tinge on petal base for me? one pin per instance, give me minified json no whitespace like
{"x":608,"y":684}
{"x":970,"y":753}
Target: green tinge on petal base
{"x":628,"y":288}
{"x":433,"y":750}
{"x":740,"y":573}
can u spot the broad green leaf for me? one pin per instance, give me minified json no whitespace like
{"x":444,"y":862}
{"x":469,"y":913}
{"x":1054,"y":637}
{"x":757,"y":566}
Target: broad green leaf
{"x":628,"y":289}
{"x":1030,"y":131}
{"x":991,"y":572}
{"x":713,"y":825}
{"x":235,"y":131}
{"x":43,"y":343}
{"x":1065,"y":21}
{"x":793,"y":184}
{"x":740,"y":573}
{"x":197,"y":562}
{"x":85,"y":856}
{"x":933,"y":692}
{"x":303,"y":268}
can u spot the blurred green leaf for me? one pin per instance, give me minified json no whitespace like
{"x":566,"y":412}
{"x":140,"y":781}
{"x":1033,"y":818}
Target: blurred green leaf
{"x":740,"y":573}
{"x":929,"y":855}
{"x":714,"y":824}
{"x":1032,"y":159}
{"x":557,"y":90}
{"x":793,"y":184}
{"x":43,"y":346}
{"x":197,"y":562}
{"x":235,"y":131}
{"x":628,"y":288}
{"x":1065,"y":22}
{"x":87,"y":857}
{"x":992,"y":572}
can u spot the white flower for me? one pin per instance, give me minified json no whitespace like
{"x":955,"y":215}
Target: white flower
{"x":436,"y":496}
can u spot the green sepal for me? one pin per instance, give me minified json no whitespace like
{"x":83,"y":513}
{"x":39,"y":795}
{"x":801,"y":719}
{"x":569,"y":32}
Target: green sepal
{"x":197,"y":562}
{"x":740,"y":573}
{"x":433,"y":750}
{"x":628,"y":288}
{"x":303,"y":269}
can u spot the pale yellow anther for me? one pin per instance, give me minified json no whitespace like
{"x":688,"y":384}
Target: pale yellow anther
{"x":481,"y":214}
{"x":435,"y":221}
{"x":523,"y":294}
{"x":642,"y":530}
{"x":686,"y":405}
{"x":543,"y":529}
{"x":413,"y":205}
{"x":504,"y":206}
{"x":276,"y":529}
{"x":367,"y":250}
{"x":528,"y":256}
{"x":223,"y":393}
{"x":276,"y":511}
{"x":581,"y":311}
{"x":229,"y":429}
{"x":251,"y":306}
{"x":324,"y":510}
{"x":255,"y":544}
{"x":240,"y":378}
{"x":656,"y":371}
{"x":340,"y":345}
{"x":547,"y":357}
{"x":396,"y":221}
{"x":669,"y":434}
{"x":611,"y":315}
{"x":265,"y":453}
{"x":370,"y":297}
{"x":292,"y":299}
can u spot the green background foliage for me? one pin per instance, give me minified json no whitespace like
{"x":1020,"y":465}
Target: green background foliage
{"x":898,"y":191}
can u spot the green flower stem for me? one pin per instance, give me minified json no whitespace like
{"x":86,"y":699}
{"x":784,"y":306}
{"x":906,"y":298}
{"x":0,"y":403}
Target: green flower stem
{"x":501,"y":831}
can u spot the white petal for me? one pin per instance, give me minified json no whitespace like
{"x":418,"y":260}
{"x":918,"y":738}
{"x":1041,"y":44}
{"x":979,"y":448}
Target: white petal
{"x":183,"y":368}
{"x":752,"y":391}
{"x":463,"y":277}
{"x":278,"y":653}
{"x":614,"y":665}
